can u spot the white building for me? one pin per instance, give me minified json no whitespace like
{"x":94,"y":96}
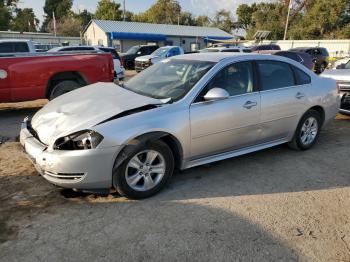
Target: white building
{"x":123,"y":35}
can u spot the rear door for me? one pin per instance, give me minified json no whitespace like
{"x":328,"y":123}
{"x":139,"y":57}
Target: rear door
{"x":282,"y":99}
{"x":229,"y":124}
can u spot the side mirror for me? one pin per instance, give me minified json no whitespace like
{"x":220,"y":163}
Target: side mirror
{"x":216,"y":93}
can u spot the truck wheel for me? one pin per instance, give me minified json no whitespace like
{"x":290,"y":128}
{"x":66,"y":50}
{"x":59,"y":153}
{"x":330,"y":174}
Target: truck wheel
{"x":63,"y":87}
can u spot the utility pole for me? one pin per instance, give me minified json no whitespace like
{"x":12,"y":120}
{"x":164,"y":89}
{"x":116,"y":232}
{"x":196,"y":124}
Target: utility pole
{"x":54,"y":23}
{"x":286,"y":29}
{"x":124,"y":10}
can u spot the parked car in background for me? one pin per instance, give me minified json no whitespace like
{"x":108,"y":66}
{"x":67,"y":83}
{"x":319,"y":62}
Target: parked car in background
{"x":11,"y":46}
{"x":340,"y":64}
{"x":119,"y":70}
{"x":259,"y":48}
{"x":182,"y":112}
{"x":136,"y":51}
{"x":342,"y":76}
{"x":49,"y":75}
{"x":161,"y":53}
{"x":319,"y":55}
{"x":233,"y":49}
{"x":302,"y":58}
{"x":44,"y":47}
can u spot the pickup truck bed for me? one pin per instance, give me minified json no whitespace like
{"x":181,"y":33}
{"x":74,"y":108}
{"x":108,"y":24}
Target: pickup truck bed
{"x":46,"y":75}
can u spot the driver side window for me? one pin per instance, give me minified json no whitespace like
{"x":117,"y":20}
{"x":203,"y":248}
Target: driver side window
{"x":236,"y":79}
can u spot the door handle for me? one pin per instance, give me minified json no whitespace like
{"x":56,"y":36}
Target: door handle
{"x":250,"y":104}
{"x":299,"y":95}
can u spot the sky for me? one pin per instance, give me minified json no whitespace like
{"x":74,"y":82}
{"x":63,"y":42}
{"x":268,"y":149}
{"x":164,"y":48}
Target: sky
{"x":197,"y":7}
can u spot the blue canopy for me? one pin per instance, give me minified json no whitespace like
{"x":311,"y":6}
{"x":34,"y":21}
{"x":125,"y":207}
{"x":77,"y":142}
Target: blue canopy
{"x":137,"y":36}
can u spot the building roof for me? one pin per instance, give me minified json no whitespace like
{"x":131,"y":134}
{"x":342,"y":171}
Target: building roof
{"x":109,"y":26}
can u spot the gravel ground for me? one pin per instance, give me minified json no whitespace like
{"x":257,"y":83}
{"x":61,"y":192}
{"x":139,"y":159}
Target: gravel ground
{"x":273,"y":205}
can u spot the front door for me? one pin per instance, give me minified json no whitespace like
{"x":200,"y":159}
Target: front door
{"x":232,"y":123}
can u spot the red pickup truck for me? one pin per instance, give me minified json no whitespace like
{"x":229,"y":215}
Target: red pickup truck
{"x":29,"y":77}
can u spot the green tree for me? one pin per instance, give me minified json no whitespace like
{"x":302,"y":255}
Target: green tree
{"x":245,"y":13}
{"x":108,"y":10}
{"x":61,"y":8}
{"x":322,"y":19}
{"x":203,"y":20}
{"x":162,"y":12}
{"x":223,"y":20}
{"x":85,"y":17}
{"x":186,"y":18}
{"x":25,"y":21}
{"x":67,"y":26}
{"x":128,"y":16}
{"x":7,"y":8}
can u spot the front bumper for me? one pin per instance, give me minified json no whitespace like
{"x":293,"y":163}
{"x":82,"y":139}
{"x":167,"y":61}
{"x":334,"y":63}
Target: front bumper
{"x":140,"y":65}
{"x":78,"y":169}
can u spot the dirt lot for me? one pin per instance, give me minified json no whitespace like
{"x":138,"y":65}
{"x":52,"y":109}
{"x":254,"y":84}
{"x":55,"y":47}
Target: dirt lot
{"x":275,"y":205}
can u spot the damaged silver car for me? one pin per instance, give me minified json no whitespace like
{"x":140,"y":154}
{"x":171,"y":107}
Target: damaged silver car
{"x":182,"y":112}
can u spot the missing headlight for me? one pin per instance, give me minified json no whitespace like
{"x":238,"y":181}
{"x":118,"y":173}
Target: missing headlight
{"x":86,"y":139}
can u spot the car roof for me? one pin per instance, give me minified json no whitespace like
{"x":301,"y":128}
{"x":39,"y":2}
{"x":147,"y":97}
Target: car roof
{"x":219,"y":56}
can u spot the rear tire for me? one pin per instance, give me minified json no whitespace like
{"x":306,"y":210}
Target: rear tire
{"x":135,"y":179}
{"x":62,"y":88}
{"x":307,"y":131}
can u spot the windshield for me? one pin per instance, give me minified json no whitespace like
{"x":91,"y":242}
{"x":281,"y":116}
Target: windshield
{"x":161,"y":51}
{"x":133,"y":50}
{"x":168,"y":78}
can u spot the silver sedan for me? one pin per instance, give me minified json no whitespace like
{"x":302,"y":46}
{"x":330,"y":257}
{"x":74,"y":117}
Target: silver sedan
{"x":182,"y":112}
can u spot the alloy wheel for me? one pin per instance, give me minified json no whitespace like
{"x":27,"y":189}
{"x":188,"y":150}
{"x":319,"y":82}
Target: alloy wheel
{"x":145,"y":170}
{"x":309,"y":131}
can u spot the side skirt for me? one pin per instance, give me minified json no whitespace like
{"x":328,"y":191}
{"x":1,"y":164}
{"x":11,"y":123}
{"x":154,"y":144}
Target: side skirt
{"x":226,"y":155}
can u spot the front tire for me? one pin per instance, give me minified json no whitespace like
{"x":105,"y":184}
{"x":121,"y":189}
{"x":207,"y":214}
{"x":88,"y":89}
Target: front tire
{"x":145,"y":172}
{"x":307,"y":131}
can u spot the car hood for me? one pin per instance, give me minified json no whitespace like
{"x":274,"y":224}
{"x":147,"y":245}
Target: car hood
{"x":145,"y":58}
{"x":337,"y":74}
{"x":84,"y":108}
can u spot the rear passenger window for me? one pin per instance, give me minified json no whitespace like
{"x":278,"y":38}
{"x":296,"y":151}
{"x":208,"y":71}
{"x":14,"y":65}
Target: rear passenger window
{"x":302,"y":78}
{"x":6,"y":48}
{"x":274,"y":75}
{"x":21,"y":47}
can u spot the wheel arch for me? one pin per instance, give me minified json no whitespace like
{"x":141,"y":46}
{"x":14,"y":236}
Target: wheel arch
{"x":133,"y":144}
{"x":320,"y":110}
{"x":62,"y":76}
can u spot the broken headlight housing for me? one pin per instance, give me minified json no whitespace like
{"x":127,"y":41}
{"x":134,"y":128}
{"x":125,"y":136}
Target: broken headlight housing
{"x":82,"y":140}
